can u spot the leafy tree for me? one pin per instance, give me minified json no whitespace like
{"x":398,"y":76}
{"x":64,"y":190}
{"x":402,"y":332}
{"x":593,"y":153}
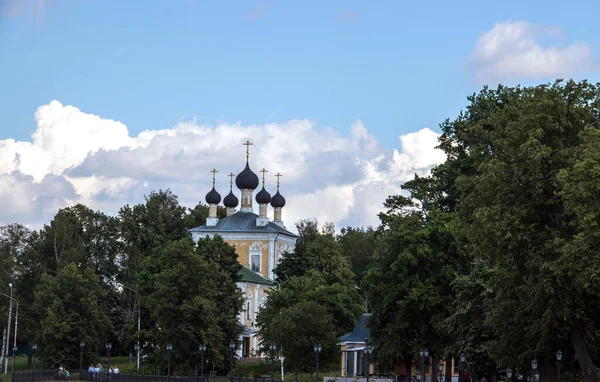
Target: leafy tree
{"x":319,"y":251}
{"x":522,"y":153}
{"x":315,"y":280}
{"x":69,"y":311}
{"x":192,"y":298}
{"x":358,"y":245}
{"x":409,"y":283}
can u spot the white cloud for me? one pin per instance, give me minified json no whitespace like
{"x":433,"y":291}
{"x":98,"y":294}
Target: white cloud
{"x":515,"y":51}
{"x":78,"y":157}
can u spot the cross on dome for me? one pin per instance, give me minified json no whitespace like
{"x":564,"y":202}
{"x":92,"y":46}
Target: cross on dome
{"x":214,"y":172}
{"x":278,"y":175}
{"x":263,"y":175}
{"x":231,"y":175}
{"x":247,"y":144}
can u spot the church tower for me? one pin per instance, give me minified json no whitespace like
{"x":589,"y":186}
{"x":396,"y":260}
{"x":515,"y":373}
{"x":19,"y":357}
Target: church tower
{"x":259,"y":242}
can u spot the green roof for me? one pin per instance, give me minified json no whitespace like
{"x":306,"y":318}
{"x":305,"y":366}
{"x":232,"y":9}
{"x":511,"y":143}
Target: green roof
{"x":360,"y":333}
{"x":249,"y":276}
{"x":242,"y":222}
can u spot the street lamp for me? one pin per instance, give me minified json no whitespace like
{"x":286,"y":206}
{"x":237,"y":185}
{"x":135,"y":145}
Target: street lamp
{"x":232,"y":347}
{"x":558,"y":363}
{"x":272,"y":349}
{"x":108,"y":346}
{"x":8,"y":328}
{"x":169,"y":349}
{"x":318,"y":349}
{"x":14,"y":357}
{"x":424,"y":353}
{"x":461,"y":367}
{"x":534,"y":369}
{"x":34,"y":348}
{"x":418,"y":375}
{"x":441,"y":368}
{"x":136,"y":347}
{"x":81,"y":346}
{"x":368,"y":352}
{"x":483,"y":379}
{"x":202,"y":349}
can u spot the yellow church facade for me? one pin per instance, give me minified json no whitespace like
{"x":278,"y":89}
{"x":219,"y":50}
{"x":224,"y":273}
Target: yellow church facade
{"x":259,"y":241}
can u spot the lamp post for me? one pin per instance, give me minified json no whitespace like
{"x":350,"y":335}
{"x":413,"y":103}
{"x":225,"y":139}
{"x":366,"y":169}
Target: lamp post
{"x":232,"y":347}
{"x":424,"y":353}
{"x":441,"y":368}
{"x":202,"y":349}
{"x":558,"y":363}
{"x":8,"y":328}
{"x":136,"y":347}
{"x":534,"y":369}
{"x":108,"y":346}
{"x":418,"y":375}
{"x":272,"y":349}
{"x":318,"y":349}
{"x":14,"y":349}
{"x":81,"y":346}
{"x":34,"y":348}
{"x":169,"y":349}
{"x":483,"y":379}
{"x":461,"y":367}
{"x":368,"y":352}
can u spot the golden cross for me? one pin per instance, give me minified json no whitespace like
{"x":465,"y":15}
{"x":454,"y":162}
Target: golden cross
{"x":263,"y":172}
{"x":231,"y":175}
{"x":247,"y":144}
{"x":278,"y":175}
{"x":214,"y":172}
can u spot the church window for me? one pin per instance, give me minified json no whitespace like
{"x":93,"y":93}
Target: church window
{"x":248,"y":310}
{"x":255,"y":261}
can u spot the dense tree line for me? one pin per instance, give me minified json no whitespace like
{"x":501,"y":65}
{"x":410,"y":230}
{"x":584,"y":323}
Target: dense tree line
{"x":494,"y":254}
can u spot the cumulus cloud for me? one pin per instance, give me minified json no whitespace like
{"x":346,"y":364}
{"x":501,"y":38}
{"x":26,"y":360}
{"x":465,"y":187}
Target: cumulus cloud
{"x":515,"y":51}
{"x":74,"y":157}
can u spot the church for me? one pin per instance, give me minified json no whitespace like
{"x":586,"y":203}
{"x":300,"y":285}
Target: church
{"x":258,"y":241}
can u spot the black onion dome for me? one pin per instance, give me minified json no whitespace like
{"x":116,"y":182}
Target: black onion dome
{"x":213,"y":197}
{"x":277,"y":200}
{"x":230,"y":201}
{"x":246,"y":180}
{"x":263,"y":196}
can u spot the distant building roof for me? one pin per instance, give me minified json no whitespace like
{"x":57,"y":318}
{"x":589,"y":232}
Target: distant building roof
{"x":360,"y":331}
{"x":249,"y":276}
{"x":242,"y":222}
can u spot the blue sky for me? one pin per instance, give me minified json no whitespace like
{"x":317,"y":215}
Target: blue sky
{"x":396,"y":65}
{"x":343,"y":97}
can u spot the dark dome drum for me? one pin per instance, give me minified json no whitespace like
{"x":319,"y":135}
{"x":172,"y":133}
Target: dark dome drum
{"x":213,"y":197}
{"x":246,"y":180}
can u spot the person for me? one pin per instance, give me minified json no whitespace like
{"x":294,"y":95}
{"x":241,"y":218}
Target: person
{"x":116,"y":370}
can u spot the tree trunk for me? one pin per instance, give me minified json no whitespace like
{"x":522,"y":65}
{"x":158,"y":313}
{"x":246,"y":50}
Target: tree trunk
{"x":434,"y":369}
{"x":449,"y":369}
{"x":548,"y":371}
{"x":492,"y":375}
{"x":583,"y":357}
{"x":408,"y":368}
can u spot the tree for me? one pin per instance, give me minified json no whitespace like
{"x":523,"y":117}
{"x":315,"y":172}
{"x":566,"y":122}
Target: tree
{"x":409,"y":283}
{"x":69,"y":311}
{"x":520,"y":151}
{"x":192,"y":298}
{"x":306,"y":311}
{"x":319,"y":251}
{"x":315,"y":279}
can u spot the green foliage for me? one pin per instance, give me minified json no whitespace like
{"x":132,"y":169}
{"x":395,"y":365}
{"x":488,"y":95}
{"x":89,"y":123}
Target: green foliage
{"x":409,"y":284}
{"x":69,"y":311}
{"x":526,"y":175}
{"x":358,"y":245}
{"x":192,"y":299}
{"x":316,"y":303}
